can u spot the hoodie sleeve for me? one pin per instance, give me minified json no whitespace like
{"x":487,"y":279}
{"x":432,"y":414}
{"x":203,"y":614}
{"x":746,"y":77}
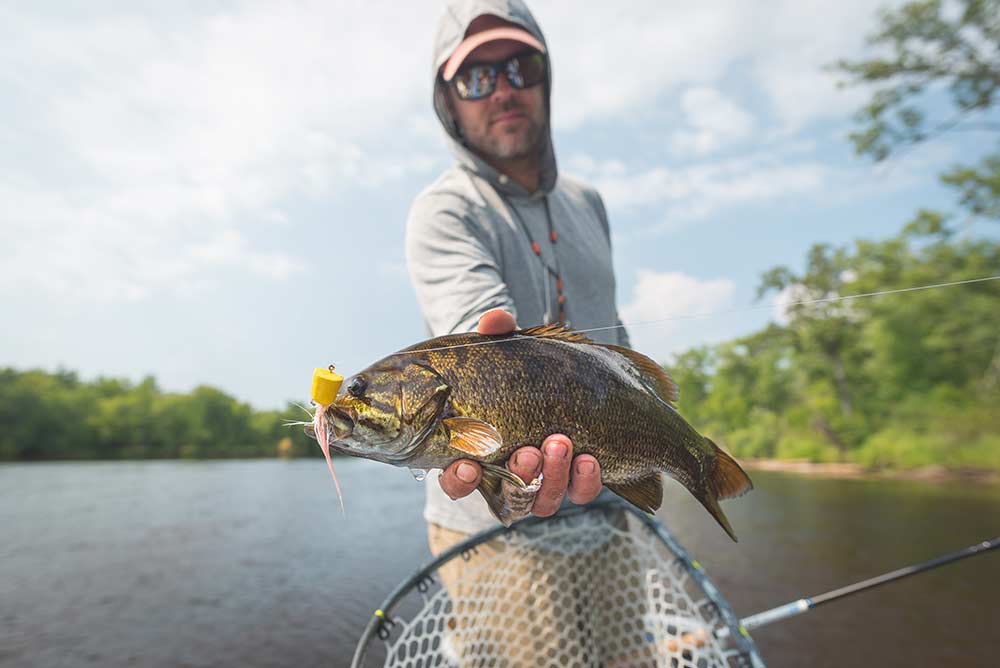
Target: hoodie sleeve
{"x":453,"y":266}
{"x":598,"y":203}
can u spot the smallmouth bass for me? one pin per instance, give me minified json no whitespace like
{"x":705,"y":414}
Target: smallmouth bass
{"x":482,"y":397}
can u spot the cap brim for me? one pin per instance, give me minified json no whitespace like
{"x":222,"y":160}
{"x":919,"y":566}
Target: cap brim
{"x":472,"y":42}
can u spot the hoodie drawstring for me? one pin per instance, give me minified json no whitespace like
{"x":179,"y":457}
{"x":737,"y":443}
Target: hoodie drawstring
{"x":537,"y":249}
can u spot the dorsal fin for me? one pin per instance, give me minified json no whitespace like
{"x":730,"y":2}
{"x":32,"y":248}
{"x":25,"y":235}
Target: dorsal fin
{"x":555,"y":331}
{"x":654,"y":374}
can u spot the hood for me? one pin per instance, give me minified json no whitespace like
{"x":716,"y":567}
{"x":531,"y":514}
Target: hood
{"x":450,"y":33}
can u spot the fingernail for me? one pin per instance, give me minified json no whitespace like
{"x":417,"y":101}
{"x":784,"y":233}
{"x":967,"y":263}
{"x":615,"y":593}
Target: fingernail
{"x":466,"y":473}
{"x":556,"y":449}
{"x":585,"y":467}
{"x":526,"y":460}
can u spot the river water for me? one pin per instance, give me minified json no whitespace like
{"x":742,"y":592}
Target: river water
{"x":251,"y":563}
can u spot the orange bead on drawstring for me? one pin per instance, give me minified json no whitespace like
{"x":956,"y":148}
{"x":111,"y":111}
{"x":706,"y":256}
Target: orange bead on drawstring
{"x":537,"y":250}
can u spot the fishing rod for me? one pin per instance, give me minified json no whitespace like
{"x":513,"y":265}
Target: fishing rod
{"x":805,"y":604}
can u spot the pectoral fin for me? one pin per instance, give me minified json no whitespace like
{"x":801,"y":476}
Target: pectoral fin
{"x":473,"y":437}
{"x":508,"y":497}
{"x":645,"y":493}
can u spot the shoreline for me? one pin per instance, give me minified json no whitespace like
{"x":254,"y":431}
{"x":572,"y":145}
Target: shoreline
{"x":845,"y":470}
{"x":849,"y":470}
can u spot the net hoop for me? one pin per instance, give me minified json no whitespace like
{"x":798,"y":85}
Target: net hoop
{"x":684,"y":620}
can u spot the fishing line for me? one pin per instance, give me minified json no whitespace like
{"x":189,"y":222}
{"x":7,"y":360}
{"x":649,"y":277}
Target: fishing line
{"x":708,"y":314}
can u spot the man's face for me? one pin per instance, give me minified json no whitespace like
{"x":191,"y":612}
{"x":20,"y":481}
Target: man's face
{"x":510,"y":123}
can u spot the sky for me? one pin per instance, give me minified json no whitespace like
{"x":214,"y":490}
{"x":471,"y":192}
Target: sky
{"x":216,"y":192}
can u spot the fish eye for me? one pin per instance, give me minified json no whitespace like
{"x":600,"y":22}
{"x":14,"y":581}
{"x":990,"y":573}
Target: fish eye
{"x":358,"y":386}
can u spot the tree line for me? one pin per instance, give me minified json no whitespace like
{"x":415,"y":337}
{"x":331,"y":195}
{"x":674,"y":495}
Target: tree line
{"x":45,"y":416}
{"x":898,"y":380}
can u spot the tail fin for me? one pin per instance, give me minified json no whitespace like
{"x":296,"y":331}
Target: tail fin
{"x":726,"y":481}
{"x":712,"y":505}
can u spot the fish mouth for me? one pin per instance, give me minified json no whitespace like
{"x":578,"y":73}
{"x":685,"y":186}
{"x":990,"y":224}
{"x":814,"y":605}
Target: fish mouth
{"x":341,"y":421}
{"x":330,"y":426}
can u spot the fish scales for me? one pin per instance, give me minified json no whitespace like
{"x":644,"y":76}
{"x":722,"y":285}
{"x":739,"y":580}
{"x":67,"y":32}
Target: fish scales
{"x":454,"y":398}
{"x":526,"y":386}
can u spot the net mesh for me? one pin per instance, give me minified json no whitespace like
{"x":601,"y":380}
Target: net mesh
{"x":597,"y":589}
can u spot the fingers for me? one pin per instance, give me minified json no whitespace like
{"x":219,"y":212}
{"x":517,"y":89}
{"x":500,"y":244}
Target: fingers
{"x":579,"y":477}
{"x":526,"y":463}
{"x":460,"y":478}
{"x":585,"y":481}
{"x":496,"y":321}
{"x":557,"y":453}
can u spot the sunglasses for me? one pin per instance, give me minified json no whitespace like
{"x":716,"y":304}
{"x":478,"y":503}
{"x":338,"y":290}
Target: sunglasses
{"x":479,"y":80}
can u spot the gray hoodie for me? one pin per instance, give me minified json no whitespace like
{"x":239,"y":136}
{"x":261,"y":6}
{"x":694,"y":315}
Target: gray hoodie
{"x":467,"y":252}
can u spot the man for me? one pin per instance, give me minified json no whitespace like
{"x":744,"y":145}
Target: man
{"x":502,"y":236}
{"x":502,"y":230}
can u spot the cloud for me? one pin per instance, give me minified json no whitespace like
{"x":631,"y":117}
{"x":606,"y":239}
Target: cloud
{"x":787,"y":170}
{"x":713,"y":120}
{"x":61,"y":248}
{"x":611,"y":61}
{"x":699,"y":190}
{"x":164,"y":128}
{"x":662,"y":306}
{"x":148,"y":146}
{"x":790,"y":62}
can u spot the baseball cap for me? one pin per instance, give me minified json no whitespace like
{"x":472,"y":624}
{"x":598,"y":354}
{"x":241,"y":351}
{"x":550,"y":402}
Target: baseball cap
{"x":475,"y":40}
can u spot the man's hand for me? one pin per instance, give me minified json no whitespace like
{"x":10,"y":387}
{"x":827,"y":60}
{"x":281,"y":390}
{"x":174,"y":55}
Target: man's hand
{"x":562,"y":473}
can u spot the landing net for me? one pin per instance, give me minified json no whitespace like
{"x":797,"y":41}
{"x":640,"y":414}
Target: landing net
{"x":603,"y":585}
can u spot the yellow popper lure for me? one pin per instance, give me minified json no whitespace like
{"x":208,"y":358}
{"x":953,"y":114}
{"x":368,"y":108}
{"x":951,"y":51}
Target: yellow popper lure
{"x":325,"y":386}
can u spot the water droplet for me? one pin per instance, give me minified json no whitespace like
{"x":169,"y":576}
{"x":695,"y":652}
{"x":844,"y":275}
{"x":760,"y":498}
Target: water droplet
{"x":419,"y":474}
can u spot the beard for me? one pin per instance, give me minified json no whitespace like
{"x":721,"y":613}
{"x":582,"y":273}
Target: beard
{"x":514,"y":141}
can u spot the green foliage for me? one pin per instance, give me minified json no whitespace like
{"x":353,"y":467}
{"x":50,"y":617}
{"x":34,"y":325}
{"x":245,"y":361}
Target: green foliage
{"x":938,"y":428}
{"x":45,"y":416}
{"x":806,"y":444}
{"x":979,"y":187}
{"x":927,"y":46}
{"x":896,"y":380}
{"x":760,"y":438}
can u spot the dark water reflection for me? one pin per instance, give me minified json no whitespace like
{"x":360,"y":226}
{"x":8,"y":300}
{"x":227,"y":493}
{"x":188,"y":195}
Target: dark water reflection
{"x":252,"y":563}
